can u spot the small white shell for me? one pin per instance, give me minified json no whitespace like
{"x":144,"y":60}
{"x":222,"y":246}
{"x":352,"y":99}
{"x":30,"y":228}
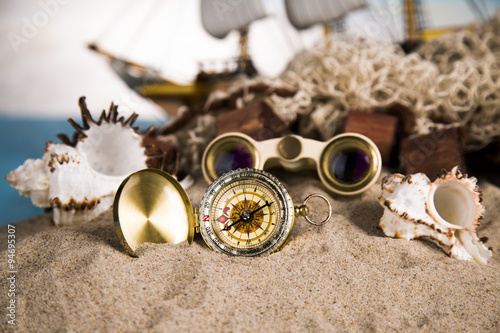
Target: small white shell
{"x":79,"y":179}
{"x":447,"y":211}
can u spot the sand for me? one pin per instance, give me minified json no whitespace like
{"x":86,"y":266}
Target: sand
{"x":343,"y":276}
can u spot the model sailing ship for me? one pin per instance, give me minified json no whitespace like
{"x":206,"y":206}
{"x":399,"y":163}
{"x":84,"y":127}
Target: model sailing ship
{"x":219,"y":18}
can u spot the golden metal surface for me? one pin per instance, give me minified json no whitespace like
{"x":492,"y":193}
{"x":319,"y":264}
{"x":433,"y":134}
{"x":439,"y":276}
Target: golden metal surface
{"x":305,"y":212}
{"x":301,"y":210}
{"x":152,"y":207}
{"x":289,"y":147}
{"x":197,"y":219}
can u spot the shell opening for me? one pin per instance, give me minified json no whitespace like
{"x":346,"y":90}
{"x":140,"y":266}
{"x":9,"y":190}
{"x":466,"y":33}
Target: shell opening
{"x":454,"y":203}
{"x":113,"y":149}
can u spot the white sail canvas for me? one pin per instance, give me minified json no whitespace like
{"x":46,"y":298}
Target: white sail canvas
{"x":304,"y":14}
{"x":219,"y":17}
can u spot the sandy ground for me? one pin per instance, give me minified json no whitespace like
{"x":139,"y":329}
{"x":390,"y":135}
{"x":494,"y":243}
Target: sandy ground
{"x":343,"y":276}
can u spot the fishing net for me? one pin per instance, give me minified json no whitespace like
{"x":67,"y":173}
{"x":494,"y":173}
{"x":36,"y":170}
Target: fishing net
{"x":455,"y":78}
{"x":468,"y":87}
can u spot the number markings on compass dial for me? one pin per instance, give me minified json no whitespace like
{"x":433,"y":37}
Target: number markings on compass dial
{"x":245,"y":215}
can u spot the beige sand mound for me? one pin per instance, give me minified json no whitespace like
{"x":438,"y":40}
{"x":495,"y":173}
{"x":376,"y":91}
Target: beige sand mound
{"x":345,"y":275}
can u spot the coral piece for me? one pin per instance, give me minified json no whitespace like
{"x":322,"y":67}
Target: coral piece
{"x":78,"y":178}
{"x":447,"y":211}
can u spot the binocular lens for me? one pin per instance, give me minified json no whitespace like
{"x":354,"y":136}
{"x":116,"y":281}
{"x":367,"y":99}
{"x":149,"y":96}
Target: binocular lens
{"x":228,"y":154}
{"x":349,"y":166}
{"x":232,"y":158}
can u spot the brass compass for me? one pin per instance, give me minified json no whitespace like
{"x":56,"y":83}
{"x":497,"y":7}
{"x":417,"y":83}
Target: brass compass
{"x":245,"y":212}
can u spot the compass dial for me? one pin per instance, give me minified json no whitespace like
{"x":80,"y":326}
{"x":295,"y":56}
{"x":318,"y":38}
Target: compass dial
{"x":246,"y":212}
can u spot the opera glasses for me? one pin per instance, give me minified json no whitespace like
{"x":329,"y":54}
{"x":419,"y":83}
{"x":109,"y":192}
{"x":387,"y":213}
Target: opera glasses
{"x":347,"y":164}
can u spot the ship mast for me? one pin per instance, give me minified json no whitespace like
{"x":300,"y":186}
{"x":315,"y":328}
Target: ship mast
{"x":244,"y":62}
{"x":219,"y":18}
{"x":327,"y":31}
{"x":410,"y":15}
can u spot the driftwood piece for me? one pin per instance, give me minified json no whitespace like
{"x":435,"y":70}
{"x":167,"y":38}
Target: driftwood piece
{"x":433,"y":152}
{"x":380,"y":128}
{"x":256,"y":120}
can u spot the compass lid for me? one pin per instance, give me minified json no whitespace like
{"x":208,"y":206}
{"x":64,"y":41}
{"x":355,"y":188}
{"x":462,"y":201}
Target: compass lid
{"x":151,"y":206}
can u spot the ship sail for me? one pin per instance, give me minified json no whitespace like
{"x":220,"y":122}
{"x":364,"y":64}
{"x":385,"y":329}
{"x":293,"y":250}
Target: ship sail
{"x":304,"y":14}
{"x":219,"y":17}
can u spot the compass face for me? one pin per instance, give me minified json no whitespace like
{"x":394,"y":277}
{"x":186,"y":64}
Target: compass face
{"x":246,"y":212}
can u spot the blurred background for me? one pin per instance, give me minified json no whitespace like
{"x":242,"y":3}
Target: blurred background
{"x":46,"y":64}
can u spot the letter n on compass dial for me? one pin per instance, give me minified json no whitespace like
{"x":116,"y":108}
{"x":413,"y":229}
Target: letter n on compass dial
{"x":246,"y":215}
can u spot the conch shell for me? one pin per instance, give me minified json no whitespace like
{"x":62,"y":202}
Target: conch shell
{"x":447,"y":211}
{"x":78,"y":178}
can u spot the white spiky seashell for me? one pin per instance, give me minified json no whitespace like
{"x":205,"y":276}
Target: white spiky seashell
{"x":447,"y":211}
{"x":79,"y":178}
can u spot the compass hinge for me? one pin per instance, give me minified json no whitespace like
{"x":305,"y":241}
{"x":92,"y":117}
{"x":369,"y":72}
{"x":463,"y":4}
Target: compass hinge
{"x":196,"y":219}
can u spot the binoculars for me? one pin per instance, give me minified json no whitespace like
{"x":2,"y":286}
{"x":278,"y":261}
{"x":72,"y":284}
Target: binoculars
{"x":347,"y":164}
